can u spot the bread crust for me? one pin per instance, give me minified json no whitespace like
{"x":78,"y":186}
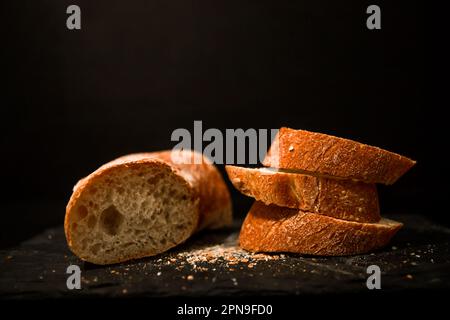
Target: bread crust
{"x":337,"y":157}
{"x":342,"y":199}
{"x":277,"y":229}
{"x":207,"y":188}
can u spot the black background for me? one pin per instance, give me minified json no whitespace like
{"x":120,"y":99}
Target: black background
{"x":72,"y":100}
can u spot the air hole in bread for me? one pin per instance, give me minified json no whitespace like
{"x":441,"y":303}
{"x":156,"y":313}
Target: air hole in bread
{"x":91,"y":222}
{"x":81,"y":213}
{"x":95,"y":248}
{"x":111,"y":220}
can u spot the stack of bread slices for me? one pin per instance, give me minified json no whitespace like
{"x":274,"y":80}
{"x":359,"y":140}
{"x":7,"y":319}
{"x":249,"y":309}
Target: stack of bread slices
{"x":317,"y":195}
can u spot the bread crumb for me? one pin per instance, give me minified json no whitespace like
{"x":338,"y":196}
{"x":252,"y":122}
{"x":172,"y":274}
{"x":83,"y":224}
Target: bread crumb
{"x":408,"y":276}
{"x":291,"y":148}
{"x":159,"y":273}
{"x":124,"y":291}
{"x":190,"y":277}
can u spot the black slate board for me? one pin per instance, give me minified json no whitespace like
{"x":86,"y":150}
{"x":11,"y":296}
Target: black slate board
{"x":417,"y":258}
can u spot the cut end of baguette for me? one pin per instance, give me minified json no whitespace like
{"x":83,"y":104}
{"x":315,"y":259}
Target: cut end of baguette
{"x":278,"y":229}
{"x":130,"y":211}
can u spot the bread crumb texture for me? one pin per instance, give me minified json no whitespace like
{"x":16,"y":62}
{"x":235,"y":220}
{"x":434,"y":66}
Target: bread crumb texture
{"x":130,"y":211}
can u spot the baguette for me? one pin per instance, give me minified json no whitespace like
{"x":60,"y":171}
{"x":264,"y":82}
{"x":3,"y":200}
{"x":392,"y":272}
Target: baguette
{"x":277,"y":229}
{"x":143,"y":204}
{"x":342,"y":199}
{"x":336,"y":157}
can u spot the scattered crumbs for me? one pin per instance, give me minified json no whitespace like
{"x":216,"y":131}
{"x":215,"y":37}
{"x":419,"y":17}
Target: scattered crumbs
{"x":405,"y":261}
{"x":158,"y":273}
{"x":394,"y":248}
{"x":234,"y":281}
{"x":291,"y":148}
{"x":41,"y":277}
{"x":408,"y":276}
{"x":159,"y":260}
{"x":50,"y":237}
{"x":95,"y":279}
{"x":432,"y":260}
{"x":190,"y":277}
{"x":53,"y":271}
{"x":214,"y":279}
{"x":124,"y":291}
{"x":9,"y":257}
{"x":417,"y":256}
{"x":413,"y":263}
{"x":372,"y":254}
{"x":228,"y":255}
{"x":413,"y":254}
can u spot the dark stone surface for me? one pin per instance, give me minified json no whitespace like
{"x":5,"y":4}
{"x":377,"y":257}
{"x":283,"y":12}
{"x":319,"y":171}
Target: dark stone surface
{"x":417,"y":258}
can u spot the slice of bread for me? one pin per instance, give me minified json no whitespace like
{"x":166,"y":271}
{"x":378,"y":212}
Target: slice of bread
{"x":342,"y":199}
{"x":336,"y":157}
{"x":143,"y":204}
{"x":277,"y":229}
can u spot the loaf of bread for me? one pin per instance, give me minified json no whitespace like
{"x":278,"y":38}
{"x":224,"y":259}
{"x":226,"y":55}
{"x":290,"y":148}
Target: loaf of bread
{"x":337,"y":157}
{"x":277,"y":229}
{"x":144,"y":204}
{"x":342,"y":199}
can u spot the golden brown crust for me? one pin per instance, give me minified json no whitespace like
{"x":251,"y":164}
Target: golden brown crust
{"x":204,"y":181}
{"x":342,"y":199}
{"x":277,"y":229}
{"x":337,"y":157}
